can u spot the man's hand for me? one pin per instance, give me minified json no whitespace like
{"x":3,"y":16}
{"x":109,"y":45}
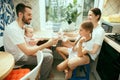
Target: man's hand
{"x":53,"y":41}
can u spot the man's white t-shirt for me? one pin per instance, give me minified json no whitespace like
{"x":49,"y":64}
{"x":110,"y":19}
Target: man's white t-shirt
{"x":13,"y":35}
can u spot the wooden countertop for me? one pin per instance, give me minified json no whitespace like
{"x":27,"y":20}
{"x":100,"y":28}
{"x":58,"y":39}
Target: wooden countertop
{"x":6,"y":64}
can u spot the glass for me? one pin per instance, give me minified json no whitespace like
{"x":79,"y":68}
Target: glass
{"x":65,"y":38}
{"x":60,"y":33}
{"x":55,"y":36}
{"x":62,"y":36}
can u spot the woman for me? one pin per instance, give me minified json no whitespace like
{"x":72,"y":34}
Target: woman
{"x":77,"y":53}
{"x":94,"y":16}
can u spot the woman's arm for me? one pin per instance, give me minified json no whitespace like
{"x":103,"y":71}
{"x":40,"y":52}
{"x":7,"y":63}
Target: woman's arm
{"x":94,"y":50}
{"x":79,"y":50}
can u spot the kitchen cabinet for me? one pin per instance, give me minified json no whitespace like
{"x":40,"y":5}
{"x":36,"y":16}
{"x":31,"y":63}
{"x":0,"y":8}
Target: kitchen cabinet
{"x":108,"y":66}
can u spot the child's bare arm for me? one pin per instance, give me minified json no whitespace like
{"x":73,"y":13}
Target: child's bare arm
{"x":80,"y":49}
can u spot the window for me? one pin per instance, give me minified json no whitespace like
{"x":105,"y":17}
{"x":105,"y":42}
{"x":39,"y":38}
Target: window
{"x":48,"y":12}
{"x":55,"y":9}
{"x":55,"y":12}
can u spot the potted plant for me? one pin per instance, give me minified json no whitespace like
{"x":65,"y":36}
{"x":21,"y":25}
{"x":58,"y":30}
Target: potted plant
{"x":71,"y":12}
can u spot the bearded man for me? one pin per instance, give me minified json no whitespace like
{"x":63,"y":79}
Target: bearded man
{"x":15,"y":43}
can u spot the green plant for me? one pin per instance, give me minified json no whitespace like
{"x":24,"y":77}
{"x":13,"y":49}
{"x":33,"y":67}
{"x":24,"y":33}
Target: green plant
{"x":71,"y":12}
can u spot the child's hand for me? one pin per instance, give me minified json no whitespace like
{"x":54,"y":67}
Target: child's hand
{"x":84,"y":51}
{"x":83,"y":39}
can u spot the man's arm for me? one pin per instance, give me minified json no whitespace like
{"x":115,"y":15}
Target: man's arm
{"x":32,"y":50}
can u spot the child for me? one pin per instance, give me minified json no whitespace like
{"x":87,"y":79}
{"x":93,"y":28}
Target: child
{"x":31,"y":40}
{"x":78,"y":53}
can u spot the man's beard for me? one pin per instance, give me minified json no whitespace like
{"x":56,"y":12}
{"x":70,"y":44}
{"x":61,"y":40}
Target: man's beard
{"x":25,"y":21}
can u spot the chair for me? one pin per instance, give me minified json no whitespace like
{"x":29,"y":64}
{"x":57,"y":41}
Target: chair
{"x":16,"y":74}
{"x":84,"y":68}
{"x":26,"y":74}
{"x":35,"y":73}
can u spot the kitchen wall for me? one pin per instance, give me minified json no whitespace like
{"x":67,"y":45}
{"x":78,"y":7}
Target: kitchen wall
{"x":111,"y":7}
{"x":116,"y":28}
{"x":6,"y":16}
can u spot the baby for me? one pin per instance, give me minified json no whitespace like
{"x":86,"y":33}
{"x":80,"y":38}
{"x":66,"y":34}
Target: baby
{"x":31,"y":40}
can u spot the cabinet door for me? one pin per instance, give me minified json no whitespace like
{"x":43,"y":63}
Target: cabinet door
{"x":105,"y":65}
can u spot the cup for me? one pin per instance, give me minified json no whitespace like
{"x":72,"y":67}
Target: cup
{"x":61,"y":34}
{"x":64,"y":38}
{"x":55,"y":36}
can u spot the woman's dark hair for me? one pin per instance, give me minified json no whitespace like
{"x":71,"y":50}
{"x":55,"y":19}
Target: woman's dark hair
{"x":97,"y":12}
{"x":21,"y":8}
{"x":87,"y":25}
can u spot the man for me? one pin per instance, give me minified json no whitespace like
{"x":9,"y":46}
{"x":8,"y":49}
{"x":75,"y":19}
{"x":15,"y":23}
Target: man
{"x":15,"y":44}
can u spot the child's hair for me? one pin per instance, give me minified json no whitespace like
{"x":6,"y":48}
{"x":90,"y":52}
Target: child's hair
{"x":87,"y":25}
{"x":28,"y":27}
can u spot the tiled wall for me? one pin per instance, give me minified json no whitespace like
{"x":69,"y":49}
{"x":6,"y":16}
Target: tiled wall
{"x":35,"y":8}
{"x":112,"y":7}
{"x":116,"y":27}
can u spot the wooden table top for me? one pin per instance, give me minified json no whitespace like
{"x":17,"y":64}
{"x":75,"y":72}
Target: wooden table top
{"x":6,"y":64}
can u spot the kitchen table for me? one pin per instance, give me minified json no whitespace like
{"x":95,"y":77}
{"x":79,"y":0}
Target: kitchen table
{"x":6,"y":64}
